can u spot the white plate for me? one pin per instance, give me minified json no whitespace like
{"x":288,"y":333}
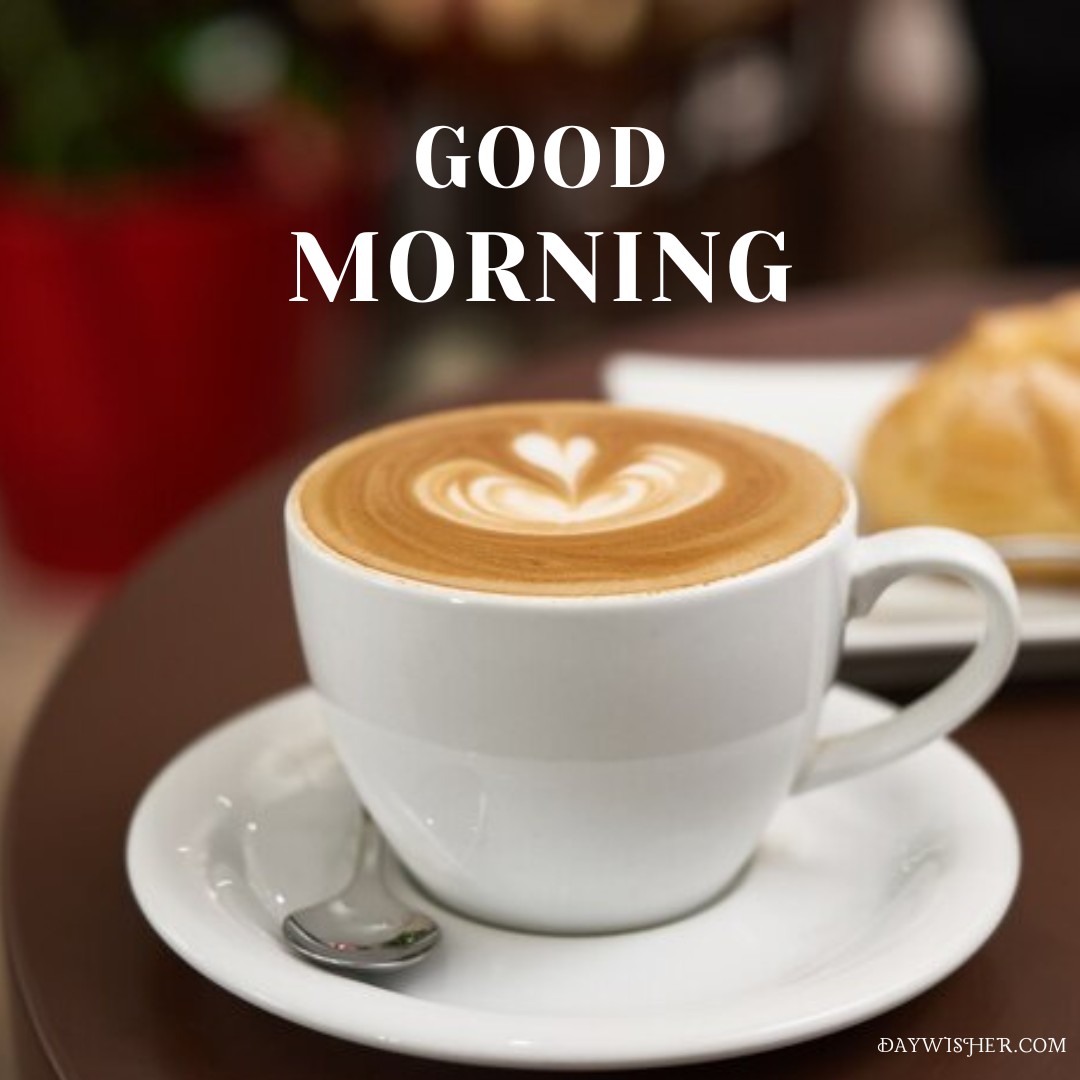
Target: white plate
{"x":829,"y":405}
{"x":863,"y":895}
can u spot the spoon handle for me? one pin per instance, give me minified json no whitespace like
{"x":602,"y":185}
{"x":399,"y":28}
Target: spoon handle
{"x":370,"y":863}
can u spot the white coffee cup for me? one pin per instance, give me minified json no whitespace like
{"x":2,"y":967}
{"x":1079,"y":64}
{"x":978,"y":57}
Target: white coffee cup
{"x":586,"y":764}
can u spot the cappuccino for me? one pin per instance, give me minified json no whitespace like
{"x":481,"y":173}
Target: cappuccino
{"x":551,"y":671}
{"x":567,"y":499}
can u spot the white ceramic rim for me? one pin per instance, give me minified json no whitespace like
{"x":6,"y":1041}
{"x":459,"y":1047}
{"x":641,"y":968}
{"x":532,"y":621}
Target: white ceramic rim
{"x":276,"y":982}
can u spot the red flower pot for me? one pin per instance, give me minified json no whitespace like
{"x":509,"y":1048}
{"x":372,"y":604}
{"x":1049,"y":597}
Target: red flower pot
{"x":148,"y":355}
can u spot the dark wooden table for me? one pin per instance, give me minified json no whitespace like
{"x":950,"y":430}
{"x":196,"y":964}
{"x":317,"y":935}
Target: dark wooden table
{"x":204,"y":628}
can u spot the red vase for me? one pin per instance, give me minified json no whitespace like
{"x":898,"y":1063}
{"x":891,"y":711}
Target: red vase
{"x":148,"y":356}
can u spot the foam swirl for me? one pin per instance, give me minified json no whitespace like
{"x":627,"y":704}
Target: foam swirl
{"x":567,"y":499}
{"x":661,"y":481}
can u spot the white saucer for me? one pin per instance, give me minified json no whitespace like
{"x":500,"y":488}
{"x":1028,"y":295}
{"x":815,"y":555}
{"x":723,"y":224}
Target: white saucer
{"x":863,"y":895}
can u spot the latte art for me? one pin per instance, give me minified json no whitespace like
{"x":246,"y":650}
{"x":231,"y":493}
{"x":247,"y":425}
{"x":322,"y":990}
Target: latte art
{"x":563,"y":495}
{"x":567,"y":499}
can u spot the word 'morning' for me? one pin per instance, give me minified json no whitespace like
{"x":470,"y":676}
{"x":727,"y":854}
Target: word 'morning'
{"x":493,"y":256}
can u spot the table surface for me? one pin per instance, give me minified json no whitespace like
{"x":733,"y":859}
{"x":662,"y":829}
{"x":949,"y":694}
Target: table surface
{"x":204,"y":629}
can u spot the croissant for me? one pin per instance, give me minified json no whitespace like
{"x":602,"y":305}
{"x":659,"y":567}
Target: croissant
{"x":987,"y":438}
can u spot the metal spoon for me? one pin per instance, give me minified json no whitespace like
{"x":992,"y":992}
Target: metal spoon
{"x":363,"y":929}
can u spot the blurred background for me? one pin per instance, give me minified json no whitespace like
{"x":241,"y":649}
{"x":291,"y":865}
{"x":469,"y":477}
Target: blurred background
{"x":155,"y":158}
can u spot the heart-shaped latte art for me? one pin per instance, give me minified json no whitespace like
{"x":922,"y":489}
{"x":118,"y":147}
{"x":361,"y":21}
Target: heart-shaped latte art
{"x":657,"y":481}
{"x":565,"y":460}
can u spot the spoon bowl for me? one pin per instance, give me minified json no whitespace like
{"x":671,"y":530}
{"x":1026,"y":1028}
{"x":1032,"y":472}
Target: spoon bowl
{"x":364,"y":929}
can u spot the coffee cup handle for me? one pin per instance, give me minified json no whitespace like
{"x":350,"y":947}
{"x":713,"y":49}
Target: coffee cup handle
{"x":880,"y":560}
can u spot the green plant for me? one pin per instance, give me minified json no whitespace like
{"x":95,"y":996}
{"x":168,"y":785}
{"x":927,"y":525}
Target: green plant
{"x":139,"y":87}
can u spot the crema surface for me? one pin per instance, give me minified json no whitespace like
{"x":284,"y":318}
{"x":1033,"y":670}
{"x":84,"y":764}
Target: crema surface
{"x":567,"y":499}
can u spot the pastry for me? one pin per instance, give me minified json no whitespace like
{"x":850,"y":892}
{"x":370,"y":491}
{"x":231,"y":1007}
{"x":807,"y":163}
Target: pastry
{"x":987,"y":438}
